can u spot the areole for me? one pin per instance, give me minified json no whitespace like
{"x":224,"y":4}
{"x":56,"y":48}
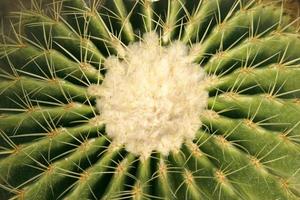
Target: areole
{"x":152,"y":98}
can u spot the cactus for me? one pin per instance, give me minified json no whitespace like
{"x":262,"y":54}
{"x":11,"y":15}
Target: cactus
{"x":150,"y":99}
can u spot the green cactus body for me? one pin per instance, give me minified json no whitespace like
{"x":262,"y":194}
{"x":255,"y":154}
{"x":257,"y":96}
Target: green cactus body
{"x":144,"y":99}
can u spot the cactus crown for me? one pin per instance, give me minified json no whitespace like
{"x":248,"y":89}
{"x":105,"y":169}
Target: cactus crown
{"x":144,"y":99}
{"x":152,"y":98}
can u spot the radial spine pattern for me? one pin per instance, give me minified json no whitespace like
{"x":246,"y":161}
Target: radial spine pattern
{"x":213,"y":112}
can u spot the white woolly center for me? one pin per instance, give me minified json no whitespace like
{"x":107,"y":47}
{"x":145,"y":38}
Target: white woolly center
{"x":151,"y":100}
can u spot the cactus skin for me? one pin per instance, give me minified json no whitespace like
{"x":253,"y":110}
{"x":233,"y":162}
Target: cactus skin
{"x":52,"y":145}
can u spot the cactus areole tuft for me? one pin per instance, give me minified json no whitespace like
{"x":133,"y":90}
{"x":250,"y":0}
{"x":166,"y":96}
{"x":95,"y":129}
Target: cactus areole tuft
{"x":153,"y":98}
{"x":150,"y":99}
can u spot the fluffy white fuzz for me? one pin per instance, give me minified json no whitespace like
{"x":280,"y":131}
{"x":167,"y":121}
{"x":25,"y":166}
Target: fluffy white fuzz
{"x":151,"y":100}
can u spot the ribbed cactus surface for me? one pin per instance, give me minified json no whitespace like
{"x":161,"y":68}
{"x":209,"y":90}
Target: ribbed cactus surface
{"x":79,"y":79}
